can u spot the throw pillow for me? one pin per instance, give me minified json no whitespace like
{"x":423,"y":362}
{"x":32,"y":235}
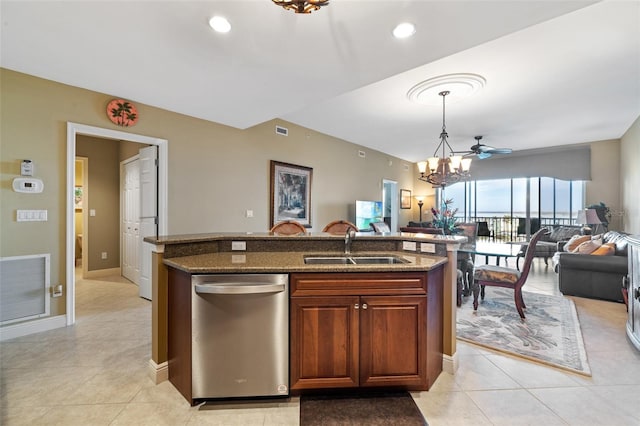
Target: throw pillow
{"x":587,"y":247}
{"x":575,"y":241}
{"x":607,"y":249}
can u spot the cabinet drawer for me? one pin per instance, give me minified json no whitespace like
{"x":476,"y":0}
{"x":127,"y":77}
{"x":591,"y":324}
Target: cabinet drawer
{"x":367,"y":283}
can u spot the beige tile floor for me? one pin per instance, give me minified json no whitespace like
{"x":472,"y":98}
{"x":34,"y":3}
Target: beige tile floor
{"x":94,"y":373}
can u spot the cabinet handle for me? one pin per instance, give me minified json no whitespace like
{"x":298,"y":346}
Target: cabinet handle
{"x":356,"y":306}
{"x":364,"y":306}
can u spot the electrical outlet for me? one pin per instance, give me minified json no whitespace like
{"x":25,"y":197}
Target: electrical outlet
{"x":409,"y":245}
{"x":238,"y":245}
{"x":104,"y":255}
{"x":428,"y":248}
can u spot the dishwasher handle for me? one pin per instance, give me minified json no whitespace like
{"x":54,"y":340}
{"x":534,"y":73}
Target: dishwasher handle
{"x":222,"y":288}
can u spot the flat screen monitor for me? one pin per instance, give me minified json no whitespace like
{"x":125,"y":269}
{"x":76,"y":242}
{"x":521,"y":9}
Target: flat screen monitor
{"x":366,"y":213}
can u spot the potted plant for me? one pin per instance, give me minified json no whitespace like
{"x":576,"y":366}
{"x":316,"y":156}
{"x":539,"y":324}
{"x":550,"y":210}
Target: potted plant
{"x":444,"y":218}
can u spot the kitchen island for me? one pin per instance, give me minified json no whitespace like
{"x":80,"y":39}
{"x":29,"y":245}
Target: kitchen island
{"x":419,"y":289}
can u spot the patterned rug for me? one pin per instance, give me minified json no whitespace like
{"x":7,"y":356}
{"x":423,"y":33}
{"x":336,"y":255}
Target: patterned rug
{"x":550,"y":333}
{"x":366,"y":409}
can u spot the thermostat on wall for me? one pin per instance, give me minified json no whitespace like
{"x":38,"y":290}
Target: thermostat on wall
{"x":28,"y":185}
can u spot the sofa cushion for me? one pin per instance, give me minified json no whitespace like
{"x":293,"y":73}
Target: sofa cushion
{"x":619,"y":239}
{"x":575,"y":241}
{"x":588,"y":247}
{"x":606,"y":249}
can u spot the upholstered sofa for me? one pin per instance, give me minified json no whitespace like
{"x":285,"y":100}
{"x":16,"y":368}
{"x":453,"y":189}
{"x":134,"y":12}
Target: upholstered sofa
{"x":548,"y":243}
{"x":597,"y":277}
{"x":424,"y":227}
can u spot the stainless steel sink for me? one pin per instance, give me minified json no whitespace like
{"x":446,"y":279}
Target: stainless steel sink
{"x":353,"y":260}
{"x":336,"y":260}
{"x":375,"y":260}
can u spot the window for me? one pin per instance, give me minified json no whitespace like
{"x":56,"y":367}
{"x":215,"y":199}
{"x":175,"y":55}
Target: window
{"x":503,"y":202}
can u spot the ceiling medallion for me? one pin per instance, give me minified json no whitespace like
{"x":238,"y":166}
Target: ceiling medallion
{"x":122,"y":113}
{"x":301,"y":6}
{"x":460,"y":86}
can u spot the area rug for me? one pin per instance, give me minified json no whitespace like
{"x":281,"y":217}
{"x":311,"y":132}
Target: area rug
{"x":389,"y":408}
{"x":549,"y":334}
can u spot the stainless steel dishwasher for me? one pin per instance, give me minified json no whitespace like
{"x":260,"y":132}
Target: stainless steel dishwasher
{"x":240,"y":335}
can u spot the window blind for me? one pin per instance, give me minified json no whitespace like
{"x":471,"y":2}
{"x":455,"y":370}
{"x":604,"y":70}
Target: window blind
{"x":565,"y":164}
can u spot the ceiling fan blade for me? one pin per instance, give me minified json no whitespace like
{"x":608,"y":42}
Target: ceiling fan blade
{"x":499,"y":151}
{"x":483,"y":155}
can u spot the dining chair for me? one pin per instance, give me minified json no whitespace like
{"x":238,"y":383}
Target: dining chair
{"x":465,"y":259}
{"x":339,"y":227}
{"x":288,"y":227}
{"x":483,"y":230}
{"x":500,"y":276}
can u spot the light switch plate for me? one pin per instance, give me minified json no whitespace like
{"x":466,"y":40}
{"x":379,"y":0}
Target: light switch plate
{"x":31,"y":215}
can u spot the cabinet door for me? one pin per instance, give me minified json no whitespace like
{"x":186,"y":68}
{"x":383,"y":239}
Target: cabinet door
{"x":324,"y":342}
{"x":392,"y":341}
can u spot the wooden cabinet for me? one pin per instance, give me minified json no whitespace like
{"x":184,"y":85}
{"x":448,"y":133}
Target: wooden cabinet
{"x":366,"y":330}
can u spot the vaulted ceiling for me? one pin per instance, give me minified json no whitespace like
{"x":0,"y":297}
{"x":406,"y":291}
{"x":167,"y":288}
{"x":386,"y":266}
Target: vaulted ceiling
{"x":556,"y":72}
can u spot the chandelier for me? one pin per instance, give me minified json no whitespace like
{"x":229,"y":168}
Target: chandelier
{"x":444,"y":170}
{"x":301,"y":6}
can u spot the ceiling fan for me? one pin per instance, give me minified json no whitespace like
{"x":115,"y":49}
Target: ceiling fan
{"x":483,"y":151}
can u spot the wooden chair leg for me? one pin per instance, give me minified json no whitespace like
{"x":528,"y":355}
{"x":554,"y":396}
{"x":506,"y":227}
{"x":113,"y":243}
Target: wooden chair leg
{"x":460,"y":287}
{"x":522,"y":300}
{"x":476,"y":292}
{"x":519,"y":302}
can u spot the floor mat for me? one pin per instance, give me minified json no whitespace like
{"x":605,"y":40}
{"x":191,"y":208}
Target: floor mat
{"x":388,"y":408}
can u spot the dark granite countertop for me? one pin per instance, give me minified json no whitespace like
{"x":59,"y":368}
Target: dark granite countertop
{"x":278,"y":262}
{"x":317,"y":236}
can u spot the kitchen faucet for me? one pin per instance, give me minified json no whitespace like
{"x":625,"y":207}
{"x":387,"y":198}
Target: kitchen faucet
{"x":348,"y":239}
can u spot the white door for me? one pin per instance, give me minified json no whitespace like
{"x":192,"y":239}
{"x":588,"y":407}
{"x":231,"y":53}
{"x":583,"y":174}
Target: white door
{"x":131,"y":221}
{"x":148,"y":214}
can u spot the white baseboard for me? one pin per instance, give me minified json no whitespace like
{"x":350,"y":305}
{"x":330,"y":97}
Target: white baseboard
{"x":158,"y":373}
{"x":450,"y":363}
{"x":30,"y":327}
{"x":100,"y":273}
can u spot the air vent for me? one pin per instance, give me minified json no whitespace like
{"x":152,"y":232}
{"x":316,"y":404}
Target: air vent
{"x":362,"y":154}
{"x":405,"y":167}
{"x":282,"y":131}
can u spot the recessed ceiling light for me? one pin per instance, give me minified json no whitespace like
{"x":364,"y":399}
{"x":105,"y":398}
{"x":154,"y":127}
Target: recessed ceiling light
{"x":220,"y":24}
{"x":404,"y":30}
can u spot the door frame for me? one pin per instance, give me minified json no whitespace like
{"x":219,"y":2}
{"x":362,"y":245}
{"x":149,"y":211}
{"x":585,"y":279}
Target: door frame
{"x":74,"y":129}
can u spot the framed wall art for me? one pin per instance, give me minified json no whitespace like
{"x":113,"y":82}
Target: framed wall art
{"x":78,"y":198}
{"x":405,"y":199}
{"x":290,"y":194}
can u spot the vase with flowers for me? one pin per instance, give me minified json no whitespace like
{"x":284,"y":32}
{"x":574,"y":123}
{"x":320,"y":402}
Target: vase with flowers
{"x":445,"y":217}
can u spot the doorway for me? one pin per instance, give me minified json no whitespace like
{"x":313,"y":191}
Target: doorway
{"x":73,"y":130}
{"x":390,"y":196}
